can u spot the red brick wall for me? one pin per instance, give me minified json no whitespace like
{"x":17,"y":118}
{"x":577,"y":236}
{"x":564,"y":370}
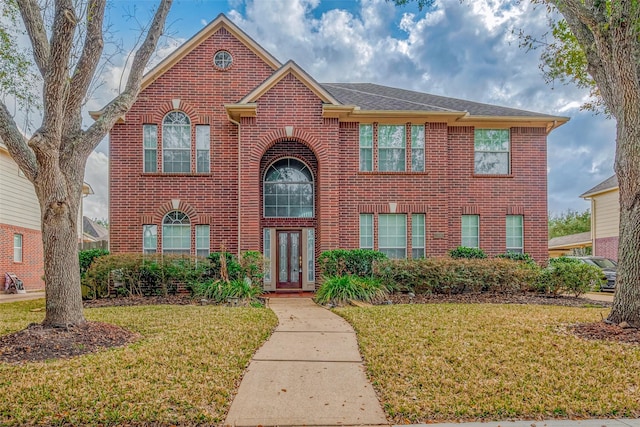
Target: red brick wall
{"x":447,"y":189}
{"x":607,"y":247}
{"x":31,"y":269}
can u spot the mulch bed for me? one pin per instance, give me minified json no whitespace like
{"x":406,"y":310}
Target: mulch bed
{"x":37,"y":343}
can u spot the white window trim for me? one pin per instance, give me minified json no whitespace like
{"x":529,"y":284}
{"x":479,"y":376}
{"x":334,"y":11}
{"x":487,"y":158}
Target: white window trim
{"x":18,"y":250}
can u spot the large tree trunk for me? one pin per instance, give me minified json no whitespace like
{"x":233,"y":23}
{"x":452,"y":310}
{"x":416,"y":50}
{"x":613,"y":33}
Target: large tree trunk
{"x":59,"y":203}
{"x":626,"y":303}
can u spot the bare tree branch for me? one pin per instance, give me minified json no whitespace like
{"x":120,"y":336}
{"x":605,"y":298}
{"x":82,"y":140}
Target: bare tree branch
{"x":87,"y":64}
{"x":123,"y":102}
{"x":34,"y":24}
{"x":17,"y":145}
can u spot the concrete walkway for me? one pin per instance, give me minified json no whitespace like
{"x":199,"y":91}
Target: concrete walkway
{"x":20,"y":297}
{"x":308,"y":373}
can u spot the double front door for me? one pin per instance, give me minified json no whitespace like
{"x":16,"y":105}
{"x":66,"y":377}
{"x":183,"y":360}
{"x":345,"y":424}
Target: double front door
{"x":289,"y":259}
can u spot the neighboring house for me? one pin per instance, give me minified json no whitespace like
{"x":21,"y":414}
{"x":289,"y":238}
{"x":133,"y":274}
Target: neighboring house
{"x":20,"y":235}
{"x":95,"y":236}
{"x":226,"y":146}
{"x":578,"y":244}
{"x":605,"y":217}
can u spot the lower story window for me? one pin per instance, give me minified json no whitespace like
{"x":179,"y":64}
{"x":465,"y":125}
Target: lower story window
{"x":515,"y":241}
{"x":17,"y":248}
{"x":392,"y":235}
{"x":202,"y":240}
{"x":470,"y":231}
{"x":417,"y":236}
{"x":366,"y":231}
{"x":176,"y":233}
{"x":149,"y":239}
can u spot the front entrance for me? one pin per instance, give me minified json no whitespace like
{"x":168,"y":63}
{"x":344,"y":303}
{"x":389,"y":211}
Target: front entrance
{"x":289,"y":259}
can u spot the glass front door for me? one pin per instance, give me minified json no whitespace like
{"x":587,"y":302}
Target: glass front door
{"x":289,"y":260}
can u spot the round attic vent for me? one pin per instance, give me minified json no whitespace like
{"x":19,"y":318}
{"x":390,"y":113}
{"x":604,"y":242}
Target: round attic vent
{"x":222,"y":59}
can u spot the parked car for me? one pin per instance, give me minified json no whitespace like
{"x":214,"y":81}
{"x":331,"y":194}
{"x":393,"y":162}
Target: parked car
{"x":608,"y":266}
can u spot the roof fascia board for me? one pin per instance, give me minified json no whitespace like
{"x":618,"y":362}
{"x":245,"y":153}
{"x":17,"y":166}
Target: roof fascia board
{"x":220,"y":22}
{"x":290,"y":68}
{"x":237,"y":111}
{"x":587,"y":196}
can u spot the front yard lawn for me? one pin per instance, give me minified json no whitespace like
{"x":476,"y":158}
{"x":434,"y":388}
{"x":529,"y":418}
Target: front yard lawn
{"x":184,"y":370}
{"x":450,"y":362}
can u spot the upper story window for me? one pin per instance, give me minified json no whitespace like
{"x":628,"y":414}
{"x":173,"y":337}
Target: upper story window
{"x":417,"y":148}
{"x":399,"y":148}
{"x":176,"y":143}
{"x":203,"y":148}
{"x":392,"y":145}
{"x":491,"y":148}
{"x":222,"y":59}
{"x":176,"y":233}
{"x":366,"y":148}
{"x":150,"y":142}
{"x":288,"y":190}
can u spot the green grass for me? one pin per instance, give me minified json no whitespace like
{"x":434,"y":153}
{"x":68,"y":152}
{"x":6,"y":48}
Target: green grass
{"x":449,"y":362}
{"x":184,"y":370}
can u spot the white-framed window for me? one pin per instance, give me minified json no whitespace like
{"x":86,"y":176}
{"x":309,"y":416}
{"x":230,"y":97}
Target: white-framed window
{"x":17,"y":247}
{"x":417,"y":236}
{"x":392,"y":235}
{"x":176,"y":143}
{"x":222,"y":59}
{"x":149,"y":239}
{"x":470,"y":231}
{"x":150,"y":142}
{"x":288,"y":190}
{"x":417,"y":148}
{"x":366,"y":231}
{"x":492,"y":148}
{"x":203,"y":148}
{"x":392,"y":145}
{"x":515,"y":240}
{"x":176,"y":233}
{"x":366,"y":148}
{"x":203,"y":240}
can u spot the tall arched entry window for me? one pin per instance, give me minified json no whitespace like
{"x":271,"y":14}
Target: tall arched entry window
{"x":288,"y":190}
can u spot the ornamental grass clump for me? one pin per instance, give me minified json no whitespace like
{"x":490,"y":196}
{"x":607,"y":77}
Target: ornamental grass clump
{"x":339,"y":290}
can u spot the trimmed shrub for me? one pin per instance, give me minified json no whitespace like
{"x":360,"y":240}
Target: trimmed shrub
{"x":340,"y":262}
{"x":86,"y":258}
{"x":569,"y":275}
{"x":143,"y":275}
{"x":467,"y":253}
{"x":454,"y":276}
{"x":220,"y":291}
{"x":515,"y":256}
{"x":341,"y":289}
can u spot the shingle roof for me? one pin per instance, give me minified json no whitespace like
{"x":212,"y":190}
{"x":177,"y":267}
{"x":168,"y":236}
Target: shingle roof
{"x":570,"y":240}
{"x":369,"y":96}
{"x":608,"y":184}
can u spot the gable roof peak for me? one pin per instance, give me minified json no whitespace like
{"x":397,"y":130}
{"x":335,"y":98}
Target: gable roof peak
{"x":221,"y":21}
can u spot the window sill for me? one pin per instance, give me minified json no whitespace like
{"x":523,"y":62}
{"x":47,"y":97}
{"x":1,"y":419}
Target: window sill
{"x":174,"y":174}
{"x":403,"y":173}
{"x":480,"y":175}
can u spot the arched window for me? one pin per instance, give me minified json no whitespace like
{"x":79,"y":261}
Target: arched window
{"x":288,"y":190}
{"x":176,"y":233}
{"x":176,"y":143}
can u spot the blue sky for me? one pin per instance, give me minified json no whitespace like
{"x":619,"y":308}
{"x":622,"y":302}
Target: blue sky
{"x":465,"y":50}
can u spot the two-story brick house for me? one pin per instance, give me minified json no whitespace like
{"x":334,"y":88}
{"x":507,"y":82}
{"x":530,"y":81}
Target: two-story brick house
{"x":227,"y":146}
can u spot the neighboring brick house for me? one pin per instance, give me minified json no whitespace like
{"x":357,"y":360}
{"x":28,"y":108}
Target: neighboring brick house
{"x":605,"y":217}
{"x":227,"y":146}
{"x":20,"y":235}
